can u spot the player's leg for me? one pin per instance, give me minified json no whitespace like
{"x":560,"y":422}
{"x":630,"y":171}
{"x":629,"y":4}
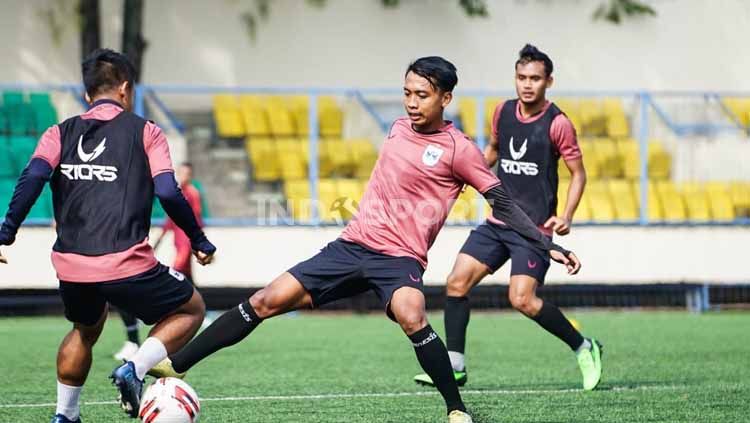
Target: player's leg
{"x":527,"y":273}
{"x":166,"y":299}
{"x":407,"y":306}
{"x":133,"y":340}
{"x":284,"y":294}
{"x":482,"y":254}
{"x":88,"y":312}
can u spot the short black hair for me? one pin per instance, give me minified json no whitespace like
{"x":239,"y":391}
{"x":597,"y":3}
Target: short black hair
{"x":530,"y":53}
{"x":187,"y":164}
{"x":105,"y":69}
{"x":440,"y":72}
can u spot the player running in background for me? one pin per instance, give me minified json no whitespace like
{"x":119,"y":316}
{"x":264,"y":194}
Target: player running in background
{"x":423,"y":164}
{"x":182,"y":260}
{"x":104,"y":167}
{"x":529,"y":135}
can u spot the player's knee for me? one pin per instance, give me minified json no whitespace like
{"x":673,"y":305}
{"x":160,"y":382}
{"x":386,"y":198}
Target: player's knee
{"x":263,"y":304}
{"x":459,"y":284}
{"x":524,"y":302}
{"x":411,"y":321}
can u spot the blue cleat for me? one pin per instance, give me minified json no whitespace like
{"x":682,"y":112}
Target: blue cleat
{"x":59,"y":418}
{"x":130,"y":388}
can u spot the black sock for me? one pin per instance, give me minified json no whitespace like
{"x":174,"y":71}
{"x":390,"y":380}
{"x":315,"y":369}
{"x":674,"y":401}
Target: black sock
{"x":131,"y":326}
{"x":433,"y":357}
{"x":457,"y":311}
{"x":229,"y":329}
{"x":552,"y":320}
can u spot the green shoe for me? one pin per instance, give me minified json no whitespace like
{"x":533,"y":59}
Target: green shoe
{"x":423,"y":379}
{"x":590,"y":362}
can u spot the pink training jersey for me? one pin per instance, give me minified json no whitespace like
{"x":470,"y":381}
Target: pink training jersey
{"x":562,"y":133}
{"x":414,"y":184}
{"x":137,"y":259}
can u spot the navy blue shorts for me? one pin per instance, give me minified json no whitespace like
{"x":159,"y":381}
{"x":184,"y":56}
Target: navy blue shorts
{"x":150,"y":296}
{"x":494,"y":244}
{"x":343,"y":269}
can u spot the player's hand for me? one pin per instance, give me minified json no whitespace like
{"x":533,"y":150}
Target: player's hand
{"x":560,"y":225}
{"x":203,"y":258}
{"x":571,"y":261}
{"x":204,"y":251}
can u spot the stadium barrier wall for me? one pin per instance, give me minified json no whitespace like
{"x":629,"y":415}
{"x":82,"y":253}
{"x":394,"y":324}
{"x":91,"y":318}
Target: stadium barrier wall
{"x":612,"y":255}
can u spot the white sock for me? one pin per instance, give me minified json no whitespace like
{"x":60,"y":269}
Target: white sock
{"x":151,"y":352}
{"x":67,"y":400}
{"x":457,"y":361}
{"x":585,"y":346}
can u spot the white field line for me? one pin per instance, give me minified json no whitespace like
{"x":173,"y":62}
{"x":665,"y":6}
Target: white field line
{"x":383,"y":395}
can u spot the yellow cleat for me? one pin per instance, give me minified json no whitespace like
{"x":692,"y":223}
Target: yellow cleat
{"x":164,"y":369}
{"x":457,"y":416}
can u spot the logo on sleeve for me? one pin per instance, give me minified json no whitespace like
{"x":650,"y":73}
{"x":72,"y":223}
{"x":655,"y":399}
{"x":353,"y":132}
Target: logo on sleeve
{"x":86,"y":171}
{"x":431,"y":155}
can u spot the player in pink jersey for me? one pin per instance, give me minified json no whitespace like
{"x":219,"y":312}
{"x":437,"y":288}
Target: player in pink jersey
{"x":422,"y":167}
{"x":529,"y":136}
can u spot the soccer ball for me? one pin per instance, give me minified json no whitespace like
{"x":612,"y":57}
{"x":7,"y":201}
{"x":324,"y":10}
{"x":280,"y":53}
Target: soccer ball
{"x":169,"y":400}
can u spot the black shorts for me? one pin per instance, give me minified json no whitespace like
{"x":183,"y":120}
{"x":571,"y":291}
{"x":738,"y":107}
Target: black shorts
{"x":494,"y":244}
{"x":150,"y":296}
{"x":343,"y":269}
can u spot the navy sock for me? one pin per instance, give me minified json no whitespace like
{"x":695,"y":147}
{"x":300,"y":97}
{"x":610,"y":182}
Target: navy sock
{"x":552,"y":320}
{"x":457,"y":312}
{"x":433,"y":357}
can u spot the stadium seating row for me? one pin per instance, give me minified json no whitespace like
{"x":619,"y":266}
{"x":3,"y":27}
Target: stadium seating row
{"x":277,"y":116}
{"x":610,"y":158}
{"x":591,"y":117}
{"x":26,"y":115}
{"x":740,"y":108}
{"x":15,"y":152}
{"x":287,"y":158}
{"x":604,"y":201}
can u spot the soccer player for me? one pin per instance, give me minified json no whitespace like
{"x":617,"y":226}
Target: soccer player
{"x":423,"y":164}
{"x":104,"y":167}
{"x":529,"y":135}
{"x":182,"y":260}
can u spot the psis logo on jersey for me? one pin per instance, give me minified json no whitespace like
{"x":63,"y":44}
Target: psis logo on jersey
{"x":88,"y":172}
{"x":431,"y":155}
{"x":515,"y":166}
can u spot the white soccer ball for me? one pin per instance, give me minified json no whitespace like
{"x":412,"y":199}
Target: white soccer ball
{"x":169,"y":400}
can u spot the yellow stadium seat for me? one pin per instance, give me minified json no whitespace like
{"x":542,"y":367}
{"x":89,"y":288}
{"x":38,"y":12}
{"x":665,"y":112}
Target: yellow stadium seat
{"x":264,"y":159}
{"x":600,"y":201}
{"x":297,"y":193}
{"x":590,"y":159}
{"x":608,"y":157}
{"x":467,"y":112}
{"x":626,"y":206}
{"x":330,"y":117}
{"x":292,"y":159}
{"x":364,"y":156}
{"x":655,"y":206}
{"x":464,"y":209}
{"x":740,"y":194}
{"x":593,"y":118}
{"x":327,"y":200}
{"x":720,"y":200}
{"x":659,"y":160}
{"x":740,"y":108}
{"x":227,"y":116}
{"x":616,"y":120}
{"x":490,"y":103}
{"x":279,"y":117}
{"x":350,"y":192}
{"x":672,"y":201}
{"x":340,"y":155}
{"x":254,"y":115}
{"x":696,"y":201}
{"x":571,"y":108}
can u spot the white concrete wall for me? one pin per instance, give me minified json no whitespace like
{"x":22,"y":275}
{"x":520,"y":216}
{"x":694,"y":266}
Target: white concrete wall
{"x":254,"y":256}
{"x":692,"y":44}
